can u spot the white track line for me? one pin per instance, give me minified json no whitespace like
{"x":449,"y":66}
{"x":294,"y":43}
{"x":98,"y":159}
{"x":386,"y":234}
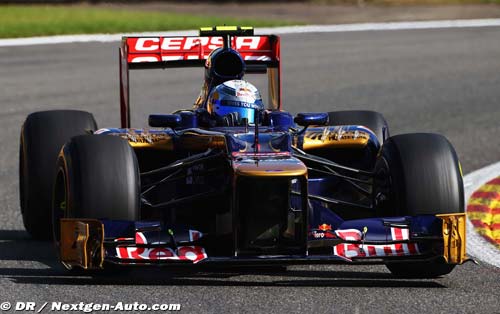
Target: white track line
{"x":477,"y":246}
{"x":380,"y":26}
{"x":274,"y":30}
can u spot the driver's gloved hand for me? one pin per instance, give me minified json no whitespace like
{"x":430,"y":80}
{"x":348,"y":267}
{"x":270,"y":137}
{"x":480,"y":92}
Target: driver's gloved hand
{"x":205,"y":118}
{"x":231,"y":119}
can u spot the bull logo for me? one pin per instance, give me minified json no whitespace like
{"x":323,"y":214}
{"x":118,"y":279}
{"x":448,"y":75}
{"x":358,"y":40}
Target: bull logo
{"x":325,"y":227}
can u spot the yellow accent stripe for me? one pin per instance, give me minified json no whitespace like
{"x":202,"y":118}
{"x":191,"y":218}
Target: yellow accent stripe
{"x":226,"y":28}
{"x":481,"y":230}
{"x":484,"y":217}
{"x":490,"y":188}
{"x":493,"y":234}
{"x":485,"y":201}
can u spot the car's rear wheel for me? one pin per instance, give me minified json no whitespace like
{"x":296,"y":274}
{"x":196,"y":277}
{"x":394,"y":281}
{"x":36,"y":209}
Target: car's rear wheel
{"x":42,"y":136}
{"x":98,"y":178}
{"x":418,"y":174}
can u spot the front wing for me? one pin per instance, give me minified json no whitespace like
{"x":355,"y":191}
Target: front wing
{"x":89,"y":243}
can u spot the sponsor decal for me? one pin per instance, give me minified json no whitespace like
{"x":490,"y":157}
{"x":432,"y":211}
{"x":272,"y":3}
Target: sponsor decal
{"x":333,"y":134}
{"x":325,"y":227}
{"x":340,"y":133}
{"x":156,"y":49}
{"x":400,"y":234}
{"x":321,"y":235}
{"x":186,"y":56}
{"x":350,"y":250}
{"x":318,"y":235}
{"x":244,"y":92}
{"x":192,"y":253}
{"x":146,"y":137}
{"x":349,"y":234}
{"x":397,"y":234}
{"x":236,"y":103}
{"x":194,"y":235}
{"x":155,"y":44}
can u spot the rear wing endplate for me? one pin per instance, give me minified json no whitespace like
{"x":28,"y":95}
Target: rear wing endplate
{"x":261,"y":54}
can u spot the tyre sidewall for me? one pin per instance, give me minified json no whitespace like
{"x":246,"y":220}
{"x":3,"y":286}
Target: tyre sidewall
{"x":423,"y":175}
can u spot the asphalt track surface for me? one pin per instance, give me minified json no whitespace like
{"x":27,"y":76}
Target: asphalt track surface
{"x":445,"y":81}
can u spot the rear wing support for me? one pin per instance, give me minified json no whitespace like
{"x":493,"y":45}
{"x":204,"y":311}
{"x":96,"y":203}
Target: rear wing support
{"x":261,"y":54}
{"x":124,"y":88}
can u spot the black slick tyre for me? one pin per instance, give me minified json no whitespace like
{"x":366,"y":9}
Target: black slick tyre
{"x":418,"y":174}
{"x":42,"y":136}
{"x":98,"y":177}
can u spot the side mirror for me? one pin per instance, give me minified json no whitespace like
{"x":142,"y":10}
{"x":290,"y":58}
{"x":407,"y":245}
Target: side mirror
{"x":164,"y":120}
{"x":280,"y":120}
{"x":307,"y":119}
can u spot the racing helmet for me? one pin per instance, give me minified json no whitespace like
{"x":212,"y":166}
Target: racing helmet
{"x":235,"y":97}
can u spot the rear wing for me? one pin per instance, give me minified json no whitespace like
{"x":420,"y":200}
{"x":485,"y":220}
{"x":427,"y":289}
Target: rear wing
{"x":261,"y":54}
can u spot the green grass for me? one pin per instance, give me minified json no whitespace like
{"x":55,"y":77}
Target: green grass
{"x":43,"y":20}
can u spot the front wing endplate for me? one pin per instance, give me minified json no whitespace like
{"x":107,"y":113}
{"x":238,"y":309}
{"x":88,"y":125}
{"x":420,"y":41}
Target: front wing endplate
{"x":82,"y":243}
{"x":453,"y":238}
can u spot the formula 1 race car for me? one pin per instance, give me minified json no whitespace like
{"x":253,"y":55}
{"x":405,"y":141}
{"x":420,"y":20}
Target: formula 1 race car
{"x":232,"y":181}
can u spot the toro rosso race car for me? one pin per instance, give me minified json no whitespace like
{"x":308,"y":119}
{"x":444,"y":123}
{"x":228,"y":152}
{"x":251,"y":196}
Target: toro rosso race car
{"x":235,"y":180}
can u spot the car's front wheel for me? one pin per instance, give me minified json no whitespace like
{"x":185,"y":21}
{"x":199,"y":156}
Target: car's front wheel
{"x":418,"y":174}
{"x":97,"y":177}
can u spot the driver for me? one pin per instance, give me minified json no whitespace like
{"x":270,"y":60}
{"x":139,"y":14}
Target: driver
{"x":232,"y":101}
